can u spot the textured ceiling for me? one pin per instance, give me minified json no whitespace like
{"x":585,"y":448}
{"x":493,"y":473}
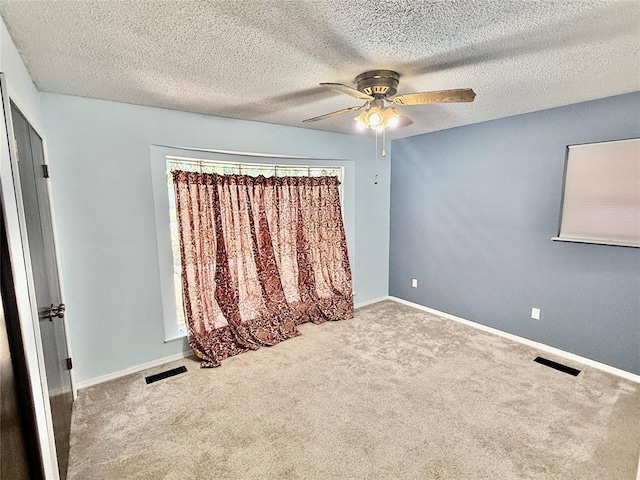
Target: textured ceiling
{"x":263,"y":60}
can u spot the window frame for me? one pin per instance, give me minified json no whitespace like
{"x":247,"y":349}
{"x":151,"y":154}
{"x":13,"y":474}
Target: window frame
{"x":562,"y":235}
{"x":160,"y":156}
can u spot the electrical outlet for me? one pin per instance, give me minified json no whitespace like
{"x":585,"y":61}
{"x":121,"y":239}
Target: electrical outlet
{"x":535,"y":313}
{"x":414,"y":283}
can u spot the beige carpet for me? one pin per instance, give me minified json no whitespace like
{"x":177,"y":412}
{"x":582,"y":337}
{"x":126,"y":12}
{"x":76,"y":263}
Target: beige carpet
{"x":395,"y":393}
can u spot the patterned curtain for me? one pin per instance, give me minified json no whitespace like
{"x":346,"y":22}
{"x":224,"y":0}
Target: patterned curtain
{"x":259,"y":257}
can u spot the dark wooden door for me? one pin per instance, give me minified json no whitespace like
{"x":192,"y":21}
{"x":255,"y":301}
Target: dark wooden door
{"x":19,"y":450}
{"x":14,"y":462}
{"x":35,"y":197}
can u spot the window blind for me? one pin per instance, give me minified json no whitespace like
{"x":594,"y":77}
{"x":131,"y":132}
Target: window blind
{"x":601,"y":200}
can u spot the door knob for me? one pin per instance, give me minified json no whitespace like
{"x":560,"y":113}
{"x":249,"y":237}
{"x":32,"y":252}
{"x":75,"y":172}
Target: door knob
{"x":56,"y":311}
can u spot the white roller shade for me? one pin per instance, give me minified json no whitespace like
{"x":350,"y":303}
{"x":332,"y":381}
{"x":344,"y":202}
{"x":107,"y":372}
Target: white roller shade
{"x":601,"y":201}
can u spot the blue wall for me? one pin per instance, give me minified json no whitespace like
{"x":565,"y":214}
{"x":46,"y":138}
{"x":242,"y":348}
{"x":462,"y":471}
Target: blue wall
{"x":472,"y":213}
{"x":100,"y":157}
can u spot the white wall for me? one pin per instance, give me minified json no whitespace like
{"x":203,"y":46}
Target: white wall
{"x":102,"y":192}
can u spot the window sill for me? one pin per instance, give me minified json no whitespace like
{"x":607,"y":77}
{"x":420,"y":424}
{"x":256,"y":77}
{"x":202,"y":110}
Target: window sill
{"x":176,"y":337}
{"x":596,"y":242}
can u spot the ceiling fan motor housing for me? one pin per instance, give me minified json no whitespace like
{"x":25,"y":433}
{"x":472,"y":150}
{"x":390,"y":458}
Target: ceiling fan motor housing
{"x":378,"y":83}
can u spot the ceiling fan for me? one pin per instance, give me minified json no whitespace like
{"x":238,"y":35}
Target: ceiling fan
{"x":378,"y":87}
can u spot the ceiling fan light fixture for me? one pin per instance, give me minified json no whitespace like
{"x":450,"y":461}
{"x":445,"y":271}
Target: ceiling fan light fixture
{"x":391,"y":117}
{"x":360,"y":121}
{"x":377,"y":118}
{"x":374,"y":117}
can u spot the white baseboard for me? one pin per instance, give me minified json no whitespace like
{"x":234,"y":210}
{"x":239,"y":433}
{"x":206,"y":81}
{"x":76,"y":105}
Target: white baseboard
{"x":161,"y":361}
{"x":372,"y":301}
{"x":540,"y":346}
{"x":134,"y":369}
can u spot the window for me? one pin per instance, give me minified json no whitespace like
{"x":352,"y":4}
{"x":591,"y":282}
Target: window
{"x":224,"y":162}
{"x":601,"y":198}
{"x":224,"y":168}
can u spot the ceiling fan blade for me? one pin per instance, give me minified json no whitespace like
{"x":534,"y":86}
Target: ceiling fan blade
{"x":441,"y":96}
{"x":339,"y":87}
{"x":338,"y":112}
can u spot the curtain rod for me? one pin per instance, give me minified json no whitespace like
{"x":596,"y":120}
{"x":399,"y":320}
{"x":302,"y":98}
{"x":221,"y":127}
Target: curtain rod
{"x":254,"y":154}
{"x":239,"y":165}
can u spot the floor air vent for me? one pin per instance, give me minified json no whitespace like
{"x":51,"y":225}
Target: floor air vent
{"x":557,"y":366}
{"x":163,"y":375}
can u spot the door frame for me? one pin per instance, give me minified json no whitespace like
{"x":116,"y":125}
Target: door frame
{"x":54,"y":233}
{"x":13,"y":211}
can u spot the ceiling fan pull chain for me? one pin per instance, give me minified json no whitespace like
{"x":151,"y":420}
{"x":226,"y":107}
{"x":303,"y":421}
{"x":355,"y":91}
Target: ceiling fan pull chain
{"x":375,"y":182}
{"x":384,"y":142}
